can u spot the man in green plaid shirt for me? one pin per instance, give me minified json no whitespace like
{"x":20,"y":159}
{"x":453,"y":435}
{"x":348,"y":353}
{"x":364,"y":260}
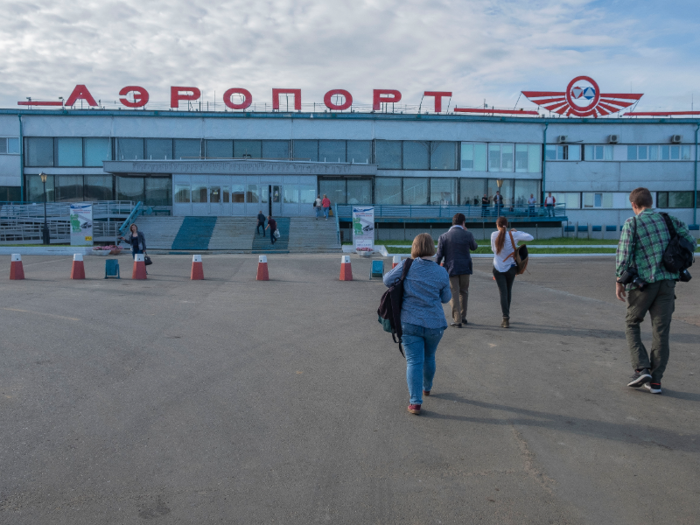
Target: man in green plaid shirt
{"x":658,"y":296}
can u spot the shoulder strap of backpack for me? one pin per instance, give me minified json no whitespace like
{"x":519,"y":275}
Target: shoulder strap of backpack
{"x":514,"y":247}
{"x":669,"y":224}
{"x":406,"y":266}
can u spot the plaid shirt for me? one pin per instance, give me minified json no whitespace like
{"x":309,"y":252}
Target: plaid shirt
{"x":652,"y":239}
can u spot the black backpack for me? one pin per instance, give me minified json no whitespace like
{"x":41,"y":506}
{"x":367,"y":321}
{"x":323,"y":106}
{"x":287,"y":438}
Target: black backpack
{"x":389,"y":310}
{"x":678,"y":255}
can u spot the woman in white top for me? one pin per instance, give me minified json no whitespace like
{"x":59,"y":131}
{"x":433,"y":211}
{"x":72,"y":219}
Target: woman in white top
{"x":504,"y":266}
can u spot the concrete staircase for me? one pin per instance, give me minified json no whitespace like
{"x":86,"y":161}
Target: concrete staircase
{"x":308,"y":235}
{"x":194,"y":233}
{"x":263,"y":244}
{"x":160,"y":232}
{"x":233,"y":233}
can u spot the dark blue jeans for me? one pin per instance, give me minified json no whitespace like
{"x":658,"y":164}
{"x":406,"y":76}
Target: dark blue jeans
{"x":420,"y":345}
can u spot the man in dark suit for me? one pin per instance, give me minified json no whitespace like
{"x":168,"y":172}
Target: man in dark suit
{"x":454,"y":247}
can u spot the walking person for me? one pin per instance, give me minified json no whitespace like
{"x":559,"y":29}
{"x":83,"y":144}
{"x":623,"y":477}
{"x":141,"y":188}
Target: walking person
{"x":503,"y":245}
{"x":498,"y":203}
{"x":318,"y":206}
{"x":653,"y":292}
{"x":531,"y":204}
{"x":549,"y":203}
{"x":485,"y":205}
{"x":425,"y":289}
{"x":137,"y":240}
{"x":326,"y":205}
{"x":272,"y":224}
{"x":454,"y":248}
{"x":261,"y":224}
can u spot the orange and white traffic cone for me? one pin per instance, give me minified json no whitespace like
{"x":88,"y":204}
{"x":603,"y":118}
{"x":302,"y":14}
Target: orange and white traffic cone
{"x":197,"y":273}
{"x":397,"y":261}
{"x":345,"y":268}
{"x":263,"y":275}
{"x":78,"y":269}
{"x":16,"y":268}
{"x":139,"y":271}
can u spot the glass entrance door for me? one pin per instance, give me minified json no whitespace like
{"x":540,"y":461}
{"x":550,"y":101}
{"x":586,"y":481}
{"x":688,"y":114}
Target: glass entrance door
{"x":276,"y":200}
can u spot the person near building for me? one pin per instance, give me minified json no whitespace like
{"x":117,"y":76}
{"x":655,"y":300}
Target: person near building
{"x":531,"y":204}
{"x":136,"y":239}
{"x":272,"y":224}
{"x":454,"y":248}
{"x":498,"y":203}
{"x":504,"y":266}
{"x":653,"y":292}
{"x":485,"y":205}
{"x":425,"y":289}
{"x":261,"y":224}
{"x":318,"y":206}
{"x":326,"y":205}
{"x":549,"y":203}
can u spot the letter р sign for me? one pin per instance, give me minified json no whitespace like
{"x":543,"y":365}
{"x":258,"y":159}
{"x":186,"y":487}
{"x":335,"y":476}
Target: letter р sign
{"x":178,"y":93}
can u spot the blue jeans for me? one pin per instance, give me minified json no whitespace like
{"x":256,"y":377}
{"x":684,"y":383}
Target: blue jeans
{"x":318,"y":211}
{"x":550,"y":211}
{"x":134,"y":251}
{"x":325,"y":212}
{"x":420,"y":345}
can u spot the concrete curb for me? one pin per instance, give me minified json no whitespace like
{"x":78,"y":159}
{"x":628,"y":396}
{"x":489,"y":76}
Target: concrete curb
{"x":36,"y":250}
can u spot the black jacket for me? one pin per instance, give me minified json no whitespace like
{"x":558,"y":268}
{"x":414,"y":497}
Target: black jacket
{"x":454,"y":247}
{"x":261,"y":219}
{"x":141,"y":240}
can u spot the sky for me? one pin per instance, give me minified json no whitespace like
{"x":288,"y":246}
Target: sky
{"x":481,"y":50}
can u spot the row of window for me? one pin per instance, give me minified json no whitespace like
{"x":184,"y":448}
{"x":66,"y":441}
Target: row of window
{"x":152,"y":191}
{"x":521,"y":158}
{"x":9,"y":145}
{"x":620,"y":200}
{"x":657,"y":152}
{"x":243,"y":193}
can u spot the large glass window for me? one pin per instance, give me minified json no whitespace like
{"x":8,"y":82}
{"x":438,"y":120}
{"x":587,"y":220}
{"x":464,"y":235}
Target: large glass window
{"x":159,"y":149}
{"x":331,"y":150}
{"x":680,"y":199}
{"x":35,"y":188}
{"x":597,"y":200}
{"x":443,"y":155}
{"x":69,"y":188}
{"x":307,"y":193}
{"x":247,"y":149}
{"x":506,"y":190}
{"x":69,"y":152}
{"x":187,"y":148}
{"x":129,"y":149}
{"x":359,"y":151}
{"x":38,"y":152}
{"x":597,"y":152}
{"x":290,"y":194}
{"x":500,"y":157}
{"x":275,"y":149}
{"x":10,"y":193}
{"x":416,"y":155}
{"x":472,"y":190}
{"x":528,"y":158}
{"x":215,"y":194}
{"x":415,"y":190}
{"x":9,"y":145}
{"x":334,"y":189}
{"x":524,"y":189}
{"x":130,"y":189}
{"x":97,"y":150}
{"x":158,"y":191}
{"x":473,"y":157}
{"x":238,"y":193}
{"x":306,"y":150}
{"x":199,"y":194}
{"x":182,"y":193}
{"x":359,"y":191}
{"x":387,"y":190}
{"x":219,"y":149}
{"x":443,"y":191}
{"x":252,"y":194}
{"x":572,"y":200}
{"x":98,"y":188}
{"x":388,"y":154}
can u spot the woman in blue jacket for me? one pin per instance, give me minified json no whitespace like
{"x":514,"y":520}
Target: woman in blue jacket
{"x":425,"y":289}
{"x":136,"y":239}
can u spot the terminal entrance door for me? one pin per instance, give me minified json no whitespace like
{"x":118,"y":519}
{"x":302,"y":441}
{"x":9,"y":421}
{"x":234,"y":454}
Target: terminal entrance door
{"x":275,"y":192}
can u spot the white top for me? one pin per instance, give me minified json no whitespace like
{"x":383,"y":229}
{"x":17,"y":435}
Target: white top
{"x":318,"y":202}
{"x":549,"y":200}
{"x":499,"y":259}
{"x":532,"y":200}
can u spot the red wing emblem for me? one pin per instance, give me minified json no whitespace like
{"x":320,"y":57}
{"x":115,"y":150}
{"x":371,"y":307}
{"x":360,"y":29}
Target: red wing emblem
{"x":582,"y":98}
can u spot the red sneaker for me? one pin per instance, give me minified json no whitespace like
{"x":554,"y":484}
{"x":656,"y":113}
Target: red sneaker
{"x":414,"y":409}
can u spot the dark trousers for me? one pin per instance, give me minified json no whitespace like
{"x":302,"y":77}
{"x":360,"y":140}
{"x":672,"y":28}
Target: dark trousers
{"x":504,"y":280}
{"x":260,"y":225}
{"x":134,"y":251}
{"x":272,"y":236}
{"x":659,"y":300}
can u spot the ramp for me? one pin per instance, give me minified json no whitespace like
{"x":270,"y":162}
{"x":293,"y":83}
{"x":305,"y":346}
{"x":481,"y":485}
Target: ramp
{"x":195,"y":233}
{"x":160,"y":232}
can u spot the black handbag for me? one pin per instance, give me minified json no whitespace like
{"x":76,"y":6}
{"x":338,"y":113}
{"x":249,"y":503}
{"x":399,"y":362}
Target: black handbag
{"x":147,"y":260}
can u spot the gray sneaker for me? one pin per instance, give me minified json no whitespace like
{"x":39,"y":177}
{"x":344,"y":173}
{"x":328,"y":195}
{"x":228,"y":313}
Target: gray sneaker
{"x":653,"y":388}
{"x":640,"y":377}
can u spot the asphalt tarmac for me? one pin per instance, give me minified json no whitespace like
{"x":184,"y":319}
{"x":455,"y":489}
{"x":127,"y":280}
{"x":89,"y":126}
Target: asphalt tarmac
{"x":235,"y":401}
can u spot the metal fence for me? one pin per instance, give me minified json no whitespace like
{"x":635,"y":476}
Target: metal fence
{"x":478,"y":213}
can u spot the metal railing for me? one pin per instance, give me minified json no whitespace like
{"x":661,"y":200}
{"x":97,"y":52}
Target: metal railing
{"x":131,"y":219}
{"x":384,"y":211}
{"x":337,"y":223}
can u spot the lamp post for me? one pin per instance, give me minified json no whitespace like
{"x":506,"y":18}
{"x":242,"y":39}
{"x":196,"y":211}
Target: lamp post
{"x":45,"y":229}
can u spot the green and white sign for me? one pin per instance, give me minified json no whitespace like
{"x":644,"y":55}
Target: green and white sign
{"x":80,"y":224}
{"x":363,"y":229}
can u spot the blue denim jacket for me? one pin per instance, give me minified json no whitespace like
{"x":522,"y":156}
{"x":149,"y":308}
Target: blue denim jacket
{"x":425,"y":288}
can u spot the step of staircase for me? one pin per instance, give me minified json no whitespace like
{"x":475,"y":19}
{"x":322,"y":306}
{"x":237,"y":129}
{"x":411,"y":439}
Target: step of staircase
{"x":233,"y":233}
{"x":160,"y":232}
{"x":310,"y":235}
{"x":194,"y":233}
{"x":263,"y":245}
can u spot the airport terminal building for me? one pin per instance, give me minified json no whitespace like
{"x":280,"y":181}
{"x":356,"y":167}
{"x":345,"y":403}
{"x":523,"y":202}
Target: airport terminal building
{"x":200,"y":163}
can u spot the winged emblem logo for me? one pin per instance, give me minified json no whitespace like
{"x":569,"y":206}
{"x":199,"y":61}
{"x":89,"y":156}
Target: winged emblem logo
{"x":582,"y":98}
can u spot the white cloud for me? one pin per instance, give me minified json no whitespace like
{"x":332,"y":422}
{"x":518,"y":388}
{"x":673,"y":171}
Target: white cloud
{"x":477,"y":49}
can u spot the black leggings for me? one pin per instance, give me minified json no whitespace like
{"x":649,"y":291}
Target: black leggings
{"x":504,"y":280}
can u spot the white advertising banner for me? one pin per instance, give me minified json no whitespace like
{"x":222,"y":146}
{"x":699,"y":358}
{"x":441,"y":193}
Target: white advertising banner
{"x":80,"y":224}
{"x":363,"y":229}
